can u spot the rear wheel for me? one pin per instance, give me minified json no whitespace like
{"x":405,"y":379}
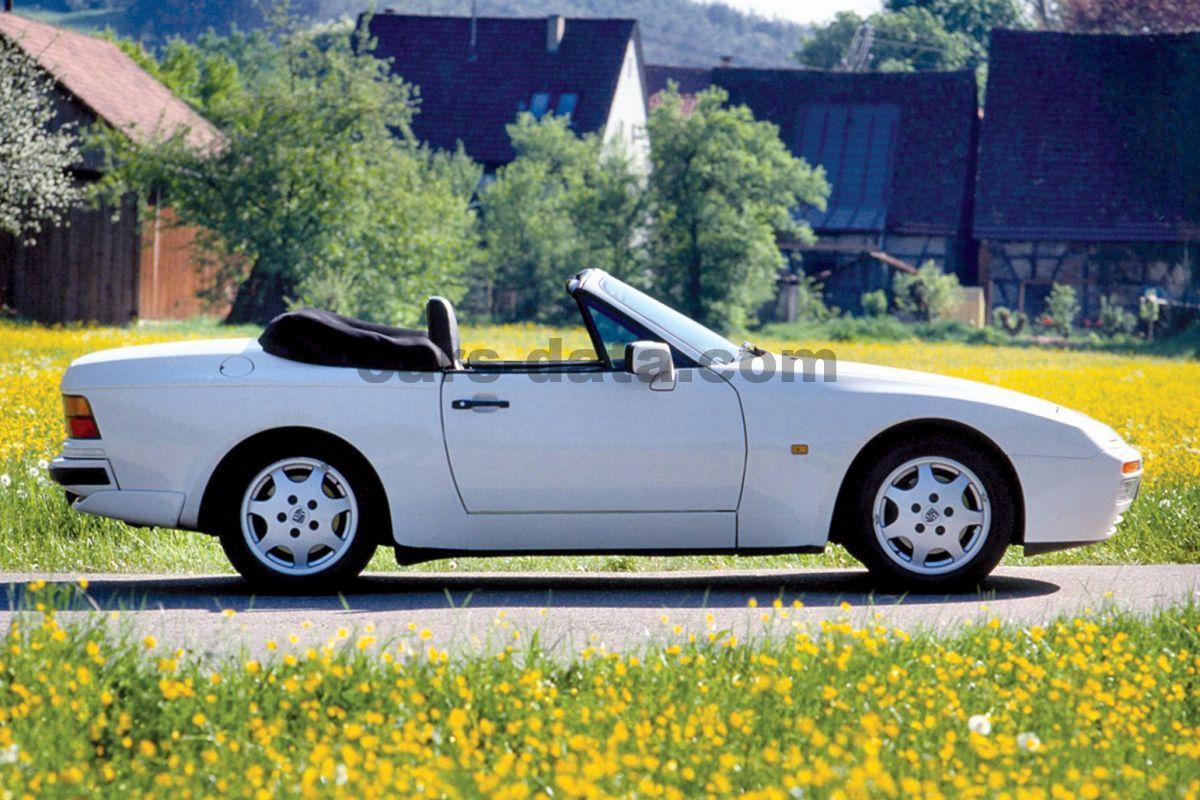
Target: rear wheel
{"x":295,"y":519}
{"x":934,"y":514}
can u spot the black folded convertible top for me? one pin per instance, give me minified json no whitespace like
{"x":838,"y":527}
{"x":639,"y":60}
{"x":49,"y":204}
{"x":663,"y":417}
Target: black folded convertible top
{"x":322,"y":337}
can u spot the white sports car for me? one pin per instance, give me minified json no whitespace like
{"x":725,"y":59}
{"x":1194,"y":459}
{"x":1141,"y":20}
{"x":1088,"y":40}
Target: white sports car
{"x":305,"y":450}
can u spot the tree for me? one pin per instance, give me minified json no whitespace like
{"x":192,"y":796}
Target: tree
{"x":722,"y":191}
{"x":317,"y":191}
{"x":35,"y":158}
{"x":911,"y":39}
{"x":1062,"y":306}
{"x":564,"y":203}
{"x":974,"y":19}
{"x":1128,"y":16}
{"x":927,"y":294}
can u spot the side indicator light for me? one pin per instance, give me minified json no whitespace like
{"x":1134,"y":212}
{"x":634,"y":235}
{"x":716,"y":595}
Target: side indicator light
{"x":799,"y":449}
{"x":81,"y":423}
{"x":1130,"y":467}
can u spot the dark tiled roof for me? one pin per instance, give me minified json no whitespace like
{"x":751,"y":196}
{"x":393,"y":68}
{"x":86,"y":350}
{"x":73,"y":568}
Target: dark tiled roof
{"x":105,"y":80}
{"x":1091,"y":138}
{"x":932,"y":159}
{"x":472,"y":97}
{"x":690,"y":79}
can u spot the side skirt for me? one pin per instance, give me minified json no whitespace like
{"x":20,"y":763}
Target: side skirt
{"x":407,"y":556}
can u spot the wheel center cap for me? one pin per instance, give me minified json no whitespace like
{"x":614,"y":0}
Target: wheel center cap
{"x":932,"y":515}
{"x":298,"y":515}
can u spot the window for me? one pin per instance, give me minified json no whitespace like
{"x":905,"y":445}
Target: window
{"x":540,"y":104}
{"x":615,"y":330}
{"x":566,"y":104}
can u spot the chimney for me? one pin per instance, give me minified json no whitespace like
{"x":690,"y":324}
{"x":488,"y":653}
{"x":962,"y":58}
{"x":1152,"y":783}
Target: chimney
{"x":556,"y":27}
{"x":726,"y":61}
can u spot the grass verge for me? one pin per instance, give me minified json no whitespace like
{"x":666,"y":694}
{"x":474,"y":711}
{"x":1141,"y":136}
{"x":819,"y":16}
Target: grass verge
{"x":1101,"y":706}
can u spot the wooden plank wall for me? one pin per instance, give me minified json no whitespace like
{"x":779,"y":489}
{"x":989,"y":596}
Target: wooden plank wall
{"x":84,"y":270}
{"x":97,"y":270}
{"x":172,"y":270}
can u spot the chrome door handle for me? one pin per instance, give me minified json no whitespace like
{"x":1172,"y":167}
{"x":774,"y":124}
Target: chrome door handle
{"x":463,"y":405}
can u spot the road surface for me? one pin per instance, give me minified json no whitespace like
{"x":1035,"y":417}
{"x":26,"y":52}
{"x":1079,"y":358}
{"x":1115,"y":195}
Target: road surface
{"x":619,"y":610}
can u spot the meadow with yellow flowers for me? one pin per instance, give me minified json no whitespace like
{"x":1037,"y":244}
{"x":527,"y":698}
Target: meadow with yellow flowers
{"x":1099,"y":706}
{"x":1153,"y":402}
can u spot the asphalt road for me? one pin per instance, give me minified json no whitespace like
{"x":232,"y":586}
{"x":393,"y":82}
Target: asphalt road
{"x":569,"y":611}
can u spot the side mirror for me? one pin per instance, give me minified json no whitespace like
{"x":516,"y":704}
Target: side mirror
{"x":653,"y":363}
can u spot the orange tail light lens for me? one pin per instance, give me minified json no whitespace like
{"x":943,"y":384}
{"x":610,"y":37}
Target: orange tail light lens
{"x":81,"y":424}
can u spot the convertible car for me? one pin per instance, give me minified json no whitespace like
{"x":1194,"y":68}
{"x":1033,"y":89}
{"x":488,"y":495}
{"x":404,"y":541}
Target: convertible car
{"x":307,"y":449}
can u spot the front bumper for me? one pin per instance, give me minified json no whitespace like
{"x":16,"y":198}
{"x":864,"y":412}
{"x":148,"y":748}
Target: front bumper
{"x":1076,"y":502}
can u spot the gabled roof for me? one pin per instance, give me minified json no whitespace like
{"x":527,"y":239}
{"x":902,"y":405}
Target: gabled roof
{"x":899,"y":148}
{"x":471,"y":94}
{"x":1091,"y":138}
{"x":107,"y":82}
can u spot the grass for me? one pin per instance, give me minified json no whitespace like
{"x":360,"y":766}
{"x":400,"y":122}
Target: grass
{"x":1154,"y":402}
{"x":1105,"y":705}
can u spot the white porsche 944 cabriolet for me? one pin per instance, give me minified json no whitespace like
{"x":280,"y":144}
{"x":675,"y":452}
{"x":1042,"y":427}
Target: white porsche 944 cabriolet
{"x":327,"y":437}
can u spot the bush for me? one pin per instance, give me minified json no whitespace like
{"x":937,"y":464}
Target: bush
{"x":1114,"y":319}
{"x":927,"y":294}
{"x":1062,"y":306}
{"x":1011,"y":322}
{"x":875,"y":304}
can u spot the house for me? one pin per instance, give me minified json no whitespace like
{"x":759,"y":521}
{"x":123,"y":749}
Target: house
{"x":475,"y":75}
{"x":899,"y":152}
{"x":1089,"y":168}
{"x":92,"y":267}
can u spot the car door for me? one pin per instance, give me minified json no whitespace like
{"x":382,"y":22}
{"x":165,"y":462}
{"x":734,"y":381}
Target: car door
{"x":588,"y":437}
{"x":593,"y":441}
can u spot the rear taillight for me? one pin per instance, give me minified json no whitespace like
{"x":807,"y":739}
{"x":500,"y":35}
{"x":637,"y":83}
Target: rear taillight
{"x":81,"y":423}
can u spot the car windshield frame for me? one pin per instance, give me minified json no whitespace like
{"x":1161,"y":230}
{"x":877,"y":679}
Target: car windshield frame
{"x":706,"y":346}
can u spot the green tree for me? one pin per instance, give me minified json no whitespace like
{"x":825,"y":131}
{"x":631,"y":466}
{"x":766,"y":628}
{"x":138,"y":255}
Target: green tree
{"x":35,"y":156}
{"x":722,"y":191}
{"x":927,"y":294}
{"x":317,"y":191}
{"x":974,"y":19}
{"x":904,"y":40}
{"x":1062,"y":306}
{"x":564,"y":203}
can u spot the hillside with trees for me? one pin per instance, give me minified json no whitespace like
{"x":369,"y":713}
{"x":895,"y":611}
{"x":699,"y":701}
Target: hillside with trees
{"x":673,"y":31}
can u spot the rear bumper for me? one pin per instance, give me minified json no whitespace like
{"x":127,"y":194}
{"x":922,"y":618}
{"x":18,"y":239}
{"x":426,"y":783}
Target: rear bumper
{"x":157,"y":509}
{"x":82,"y":476}
{"x":93,"y":489}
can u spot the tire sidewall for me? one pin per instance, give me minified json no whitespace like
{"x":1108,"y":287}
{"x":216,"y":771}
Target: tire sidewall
{"x":352,"y":562}
{"x":995,"y":483}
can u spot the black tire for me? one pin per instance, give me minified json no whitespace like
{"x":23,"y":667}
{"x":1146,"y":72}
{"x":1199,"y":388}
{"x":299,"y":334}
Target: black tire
{"x":979,"y":558}
{"x":345,"y":473}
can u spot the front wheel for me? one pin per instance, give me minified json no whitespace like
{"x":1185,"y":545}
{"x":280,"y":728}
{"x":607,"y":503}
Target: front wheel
{"x":934,"y":514}
{"x":295,"y":521}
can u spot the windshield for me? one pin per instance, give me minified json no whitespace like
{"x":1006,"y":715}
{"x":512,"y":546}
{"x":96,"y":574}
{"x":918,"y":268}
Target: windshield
{"x":715,"y":347}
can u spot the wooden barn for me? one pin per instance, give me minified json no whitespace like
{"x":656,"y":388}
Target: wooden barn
{"x":93,"y":268}
{"x":1089,"y":169}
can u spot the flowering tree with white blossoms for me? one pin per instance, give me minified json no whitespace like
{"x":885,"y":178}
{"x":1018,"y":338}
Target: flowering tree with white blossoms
{"x":35,"y":183}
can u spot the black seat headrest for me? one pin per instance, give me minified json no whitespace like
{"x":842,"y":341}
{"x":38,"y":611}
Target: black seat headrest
{"x":443,"y":328}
